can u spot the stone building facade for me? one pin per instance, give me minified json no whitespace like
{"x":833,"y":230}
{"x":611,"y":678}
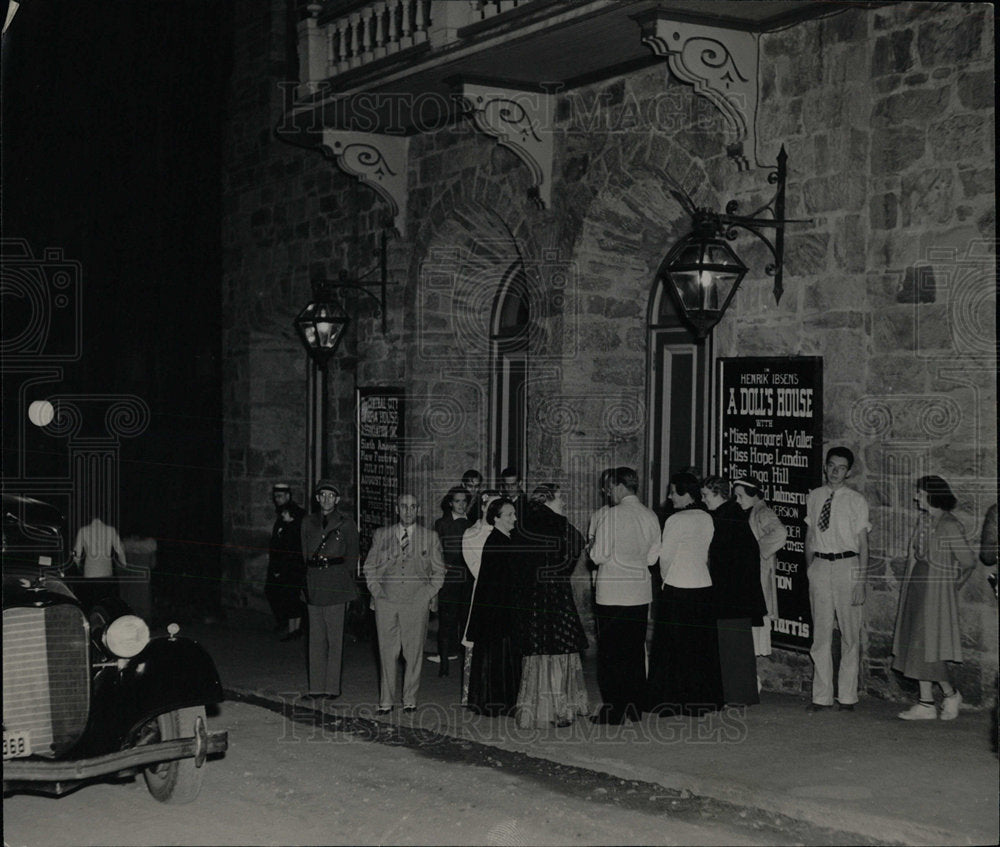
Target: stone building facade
{"x":887,"y":115}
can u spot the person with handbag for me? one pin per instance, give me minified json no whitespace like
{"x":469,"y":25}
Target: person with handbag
{"x":330,"y":550}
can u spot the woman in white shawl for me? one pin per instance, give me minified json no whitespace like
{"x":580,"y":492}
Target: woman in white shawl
{"x":472,"y":551}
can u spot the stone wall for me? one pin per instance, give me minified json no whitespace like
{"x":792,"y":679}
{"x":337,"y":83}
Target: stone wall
{"x":887,"y":117}
{"x":289,"y":217}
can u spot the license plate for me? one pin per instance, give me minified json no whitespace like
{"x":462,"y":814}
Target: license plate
{"x":16,"y":744}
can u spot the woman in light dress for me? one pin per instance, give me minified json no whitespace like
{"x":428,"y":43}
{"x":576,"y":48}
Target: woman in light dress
{"x":927,"y":638}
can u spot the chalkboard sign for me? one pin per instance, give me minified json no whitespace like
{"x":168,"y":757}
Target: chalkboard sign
{"x":771,"y":428}
{"x":380,"y":459}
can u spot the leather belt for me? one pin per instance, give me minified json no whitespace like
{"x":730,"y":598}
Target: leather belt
{"x":321,"y":562}
{"x":834,"y":556}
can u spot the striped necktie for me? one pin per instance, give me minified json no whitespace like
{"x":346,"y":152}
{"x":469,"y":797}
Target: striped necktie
{"x":824,"y":515}
{"x":404,"y":542}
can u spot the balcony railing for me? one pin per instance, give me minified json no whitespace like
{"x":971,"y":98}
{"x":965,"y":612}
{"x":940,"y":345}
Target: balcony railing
{"x":337,"y":37}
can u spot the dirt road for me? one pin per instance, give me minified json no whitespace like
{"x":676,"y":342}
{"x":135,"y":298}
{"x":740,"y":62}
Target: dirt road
{"x":288,"y":782}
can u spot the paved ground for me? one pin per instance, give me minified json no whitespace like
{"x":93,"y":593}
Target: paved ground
{"x":864,"y":773}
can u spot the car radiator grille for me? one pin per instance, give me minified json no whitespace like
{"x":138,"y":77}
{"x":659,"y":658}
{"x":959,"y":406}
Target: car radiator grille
{"x":46,"y":675}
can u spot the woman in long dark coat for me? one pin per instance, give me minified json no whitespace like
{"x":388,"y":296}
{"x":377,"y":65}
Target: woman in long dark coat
{"x":550,"y":633}
{"x":495,"y":675}
{"x":734,"y":563}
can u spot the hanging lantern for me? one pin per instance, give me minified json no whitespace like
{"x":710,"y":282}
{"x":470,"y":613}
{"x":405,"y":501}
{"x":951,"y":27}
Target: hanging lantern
{"x":321,"y":324}
{"x":704,"y":273}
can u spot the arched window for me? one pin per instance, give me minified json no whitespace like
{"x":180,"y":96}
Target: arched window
{"x":509,"y":330}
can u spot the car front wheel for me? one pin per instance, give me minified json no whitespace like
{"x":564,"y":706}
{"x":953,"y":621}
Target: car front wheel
{"x":178,"y":781}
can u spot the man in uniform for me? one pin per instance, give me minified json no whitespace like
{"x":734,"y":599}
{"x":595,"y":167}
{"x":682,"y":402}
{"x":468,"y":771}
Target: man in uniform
{"x":330,"y":552}
{"x":404,"y":571}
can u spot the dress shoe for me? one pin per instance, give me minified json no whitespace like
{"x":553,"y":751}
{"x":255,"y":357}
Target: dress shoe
{"x":383,"y":710}
{"x":409,"y":709}
{"x":312,"y":695}
{"x":562,"y":723}
{"x":950,"y":705}
{"x":819,"y":707}
{"x":845,"y":707}
{"x":330,"y":696}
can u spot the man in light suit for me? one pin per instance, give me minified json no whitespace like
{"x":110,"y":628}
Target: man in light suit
{"x":404,"y":570}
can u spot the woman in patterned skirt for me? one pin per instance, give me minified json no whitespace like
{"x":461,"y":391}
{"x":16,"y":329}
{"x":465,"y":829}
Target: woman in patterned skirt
{"x":550,"y":633}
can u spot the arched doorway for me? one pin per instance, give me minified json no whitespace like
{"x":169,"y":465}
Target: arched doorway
{"x":679,"y":399}
{"x":509,"y":330}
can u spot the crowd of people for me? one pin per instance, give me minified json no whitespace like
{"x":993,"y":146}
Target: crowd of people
{"x":496,"y":567}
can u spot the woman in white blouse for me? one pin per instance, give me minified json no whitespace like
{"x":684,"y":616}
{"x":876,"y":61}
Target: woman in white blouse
{"x":472,"y":551}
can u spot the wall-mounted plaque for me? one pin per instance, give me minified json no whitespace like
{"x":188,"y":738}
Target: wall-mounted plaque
{"x":379,"y":458}
{"x":771,"y":428}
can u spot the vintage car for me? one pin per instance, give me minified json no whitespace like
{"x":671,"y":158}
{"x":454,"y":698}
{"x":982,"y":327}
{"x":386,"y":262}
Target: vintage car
{"x":87,"y":694}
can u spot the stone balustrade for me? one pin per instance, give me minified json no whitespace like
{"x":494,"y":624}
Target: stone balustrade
{"x":338,"y":37}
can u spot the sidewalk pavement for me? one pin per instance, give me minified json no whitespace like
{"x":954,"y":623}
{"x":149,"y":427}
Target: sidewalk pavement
{"x":864,"y":772}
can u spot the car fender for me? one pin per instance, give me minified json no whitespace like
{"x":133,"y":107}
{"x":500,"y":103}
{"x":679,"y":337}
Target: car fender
{"x":169,"y":673}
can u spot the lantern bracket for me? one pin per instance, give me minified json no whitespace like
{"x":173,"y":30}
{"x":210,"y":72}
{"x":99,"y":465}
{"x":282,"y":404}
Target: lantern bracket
{"x":324,"y":288}
{"x":729,"y":222}
{"x":701,"y":261}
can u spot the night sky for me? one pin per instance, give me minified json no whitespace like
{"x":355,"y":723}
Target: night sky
{"x":112,"y":119}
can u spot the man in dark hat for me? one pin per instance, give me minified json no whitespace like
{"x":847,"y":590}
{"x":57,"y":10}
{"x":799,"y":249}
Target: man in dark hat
{"x":286,"y":579}
{"x":330,"y":551}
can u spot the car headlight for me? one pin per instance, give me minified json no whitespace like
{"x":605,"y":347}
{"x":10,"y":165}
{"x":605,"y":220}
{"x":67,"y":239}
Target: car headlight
{"x":126,"y":636}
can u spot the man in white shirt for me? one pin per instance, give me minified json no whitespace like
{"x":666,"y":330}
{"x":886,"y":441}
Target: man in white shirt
{"x":626,"y":544}
{"x":837,"y":563}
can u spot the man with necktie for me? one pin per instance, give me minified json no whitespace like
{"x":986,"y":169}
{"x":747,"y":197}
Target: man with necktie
{"x":404,"y":570}
{"x":837,"y":566}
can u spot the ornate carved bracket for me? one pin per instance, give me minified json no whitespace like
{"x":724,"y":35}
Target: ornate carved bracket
{"x":720,"y":63}
{"x":520,"y":121}
{"x":379,"y":161}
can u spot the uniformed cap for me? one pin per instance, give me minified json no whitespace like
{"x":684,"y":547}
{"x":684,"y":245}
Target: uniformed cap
{"x":326,"y":485}
{"x":282,"y":486}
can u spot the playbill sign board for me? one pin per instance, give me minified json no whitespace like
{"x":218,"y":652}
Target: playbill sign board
{"x":771,"y":429}
{"x":379,"y":458}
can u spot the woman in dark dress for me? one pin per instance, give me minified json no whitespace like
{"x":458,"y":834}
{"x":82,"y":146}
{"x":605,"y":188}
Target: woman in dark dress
{"x":495,"y":675}
{"x":734,"y":563}
{"x":550,"y":634}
